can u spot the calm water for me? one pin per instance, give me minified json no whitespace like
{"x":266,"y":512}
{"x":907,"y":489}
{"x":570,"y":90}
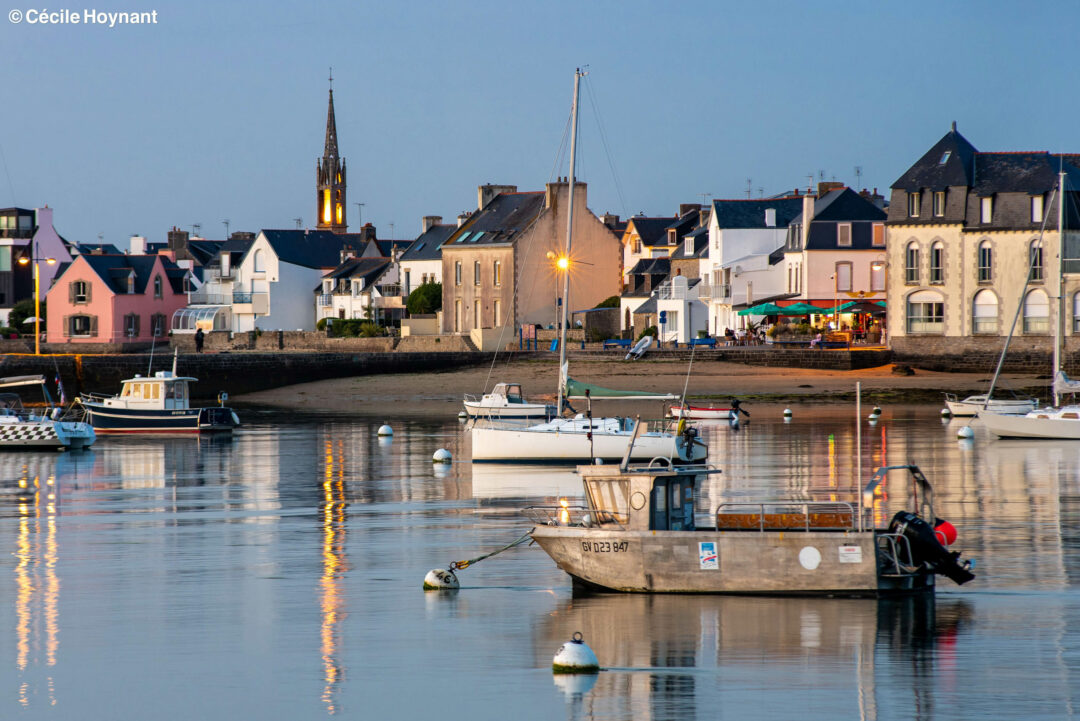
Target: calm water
{"x":277,"y":575}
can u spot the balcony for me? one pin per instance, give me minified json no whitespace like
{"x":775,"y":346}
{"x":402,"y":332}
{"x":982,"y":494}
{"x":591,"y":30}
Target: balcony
{"x":257,"y":303}
{"x":203,"y":297}
{"x":710,"y":291}
{"x":390,"y":289}
{"x":669,"y":292}
{"x":326,"y":299}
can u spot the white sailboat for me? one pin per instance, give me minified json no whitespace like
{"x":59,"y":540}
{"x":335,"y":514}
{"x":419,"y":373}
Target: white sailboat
{"x":1056,"y":422}
{"x":581,"y":438}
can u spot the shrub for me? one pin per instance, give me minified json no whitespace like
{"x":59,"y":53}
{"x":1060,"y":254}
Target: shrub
{"x":321,"y":324}
{"x":610,"y":302}
{"x":371,"y":330}
{"x":651,"y":330}
{"x":21,"y":311}
{"x":426,"y":299}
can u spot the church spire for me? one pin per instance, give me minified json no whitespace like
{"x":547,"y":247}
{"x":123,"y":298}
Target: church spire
{"x":330,"y":177}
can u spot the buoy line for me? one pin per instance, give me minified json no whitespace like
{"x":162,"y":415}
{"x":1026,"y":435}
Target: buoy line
{"x":439,"y":579}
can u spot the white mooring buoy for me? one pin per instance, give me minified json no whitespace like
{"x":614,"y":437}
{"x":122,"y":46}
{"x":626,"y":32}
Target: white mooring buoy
{"x":787,"y":413}
{"x":877,"y":410}
{"x":439,"y":579}
{"x":385,"y":430}
{"x":945,"y":413}
{"x":462,"y":415}
{"x":442,"y":456}
{"x":575,"y":657}
{"x":965,"y":432}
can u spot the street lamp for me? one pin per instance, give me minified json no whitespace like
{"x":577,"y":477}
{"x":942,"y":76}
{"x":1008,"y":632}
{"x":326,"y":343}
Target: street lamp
{"x":561,"y":262}
{"x":24,"y":260}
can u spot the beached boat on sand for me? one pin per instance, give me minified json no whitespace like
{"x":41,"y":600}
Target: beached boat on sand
{"x":638,"y":533}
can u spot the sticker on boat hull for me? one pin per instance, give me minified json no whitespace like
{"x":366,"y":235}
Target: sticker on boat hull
{"x":850,"y":554}
{"x":707,"y":556}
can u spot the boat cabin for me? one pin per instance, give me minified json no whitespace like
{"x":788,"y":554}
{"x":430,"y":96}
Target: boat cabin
{"x":645,"y":501}
{"x":510,"y":391}
{"x":163,"y":390}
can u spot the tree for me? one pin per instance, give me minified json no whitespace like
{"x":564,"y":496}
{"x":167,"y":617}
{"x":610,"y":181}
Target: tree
{"x":21,"y":311}
{"x":612,"y":302}
{"x":425,"y":300}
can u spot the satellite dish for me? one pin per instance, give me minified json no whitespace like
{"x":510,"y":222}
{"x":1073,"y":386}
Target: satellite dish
{"x":738,"y":269}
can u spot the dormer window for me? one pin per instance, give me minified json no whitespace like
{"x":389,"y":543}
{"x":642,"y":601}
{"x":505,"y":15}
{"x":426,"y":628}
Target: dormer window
{"x":843,"y":235}
{"x":939,"y":204}
{"x":671,"y":237}
{"x":945,"y":157}
{"x":913,"y":204}
{"x":986,"y":210}
{"x":131,"y":283}
{"x":688,"y":247}
{"x":1036,"y":209}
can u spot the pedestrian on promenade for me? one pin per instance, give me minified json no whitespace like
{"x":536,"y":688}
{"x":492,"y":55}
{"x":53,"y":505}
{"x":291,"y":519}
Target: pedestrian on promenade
{"x":199,"y":340}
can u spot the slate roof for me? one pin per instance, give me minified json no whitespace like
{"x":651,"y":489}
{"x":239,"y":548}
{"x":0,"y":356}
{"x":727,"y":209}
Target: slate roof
{"x":308,"y":248}
{"x":500,"y":221}
{"x":386,"y":246}
{"x":701,"y":245}
{"x":428,"y":245}
{"x":366,"y":269}
{"x":203,"y":251}
{"x":651,"y":266}
{"x":844,"y":205}
{"x":88,"y":248}
{"x":652,"y":231}
{"x":750,"y":214}
{"x":1034,"y":173}
{"x":929,"y":172}
{"x":114,"y":271}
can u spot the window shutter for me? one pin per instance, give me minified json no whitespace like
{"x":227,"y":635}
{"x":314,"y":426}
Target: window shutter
{"x":93,"y":326}
{"x":71,"y":292}
{"x":136,"y":326}
{"x":89,"y":287}
{"x":67,"y":326}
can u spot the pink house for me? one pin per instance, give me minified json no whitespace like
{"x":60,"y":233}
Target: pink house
{"x":114,"y":299}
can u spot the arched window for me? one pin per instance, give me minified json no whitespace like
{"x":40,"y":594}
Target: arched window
{"x":986,"y":262}
{"x":157,"y":286}
{"x":1076,"y":312}
{"x":1037,"y":312}
{"x":937,"y":263}
{"x":260,"y":261}
{"x":984,"y":312}
{"x":911,"y":264}
{"x":926,"y":312}
{"x":1035,"y":257}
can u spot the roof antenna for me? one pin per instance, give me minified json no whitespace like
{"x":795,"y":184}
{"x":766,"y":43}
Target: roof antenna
{"x":331,"y":80}
{"x":954,"y":126}
{"x":299,"y":222}
{"x":749,"y":187}
{"x":858,"y":176}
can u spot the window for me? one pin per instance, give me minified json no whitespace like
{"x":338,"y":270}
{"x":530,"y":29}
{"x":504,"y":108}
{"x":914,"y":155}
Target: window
{"x":476,"y":273}
{"x":457,"y":315}
{"x":1035,"y":256}
{"x":688,"y":247}
{"x":259,"y":262}
{"x":408,"y":281}
{"x":843,"y":235}
{"x":131,"y":325}
{"x":937,"y":263}
{"x":925,"y":312}
{"x":635,"y":245}
{"x":497,"y":308}
{"x":939,"y":204}
{"x":497,"y":272}
{"x":1036,"y":312}
{"x":82,"y":325}
{"x":157,"y":287}
{"x":476,"y":314}
{"x":1037,"y":208}
{"x":131,"y":283}
{"x":157,"y":325}
{"x":1076,"y":312}
{"x":986,"y":262}
{"x":984,"y":315}
{"x":457,"y":272}
{"x":913,"y":205}
{"x":879,"y":235}
{"x":79,"y":292}
{"x":842,"y":277}
{"x":945,"y":157}
{"x":986,"y":210}
{"x":5,"y":258}
{"x":911,"y":264}
{"x":877,"y":276}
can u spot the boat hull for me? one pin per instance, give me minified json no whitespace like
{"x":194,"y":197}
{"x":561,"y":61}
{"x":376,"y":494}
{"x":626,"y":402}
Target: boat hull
{"x":1037,"y":426}
{"x":511,"y":410}
{"x":969,"y":407}
{"x":701,"y":413}
{"x":737,"y":562}
{"x":46,"y":435}
{"x":523,"y":444}
{"x":107,"y":419}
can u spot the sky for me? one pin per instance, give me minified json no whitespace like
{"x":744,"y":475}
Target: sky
{"x":217,"y":112}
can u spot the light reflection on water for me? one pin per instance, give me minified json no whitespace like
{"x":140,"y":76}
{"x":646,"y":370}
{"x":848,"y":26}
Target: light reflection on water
{"x":277,"y":573}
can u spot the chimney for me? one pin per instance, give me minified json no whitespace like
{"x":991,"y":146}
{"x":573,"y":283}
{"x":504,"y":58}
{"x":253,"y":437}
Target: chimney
{"x":347,"y":252}
{"x":461,"y":219}
{"x":826,"y":186}
{"x":138,"y":245}
{"x":609,"y":219}
{"x":43,"y":217}
{"x":552,"y":191}
{"x":178,"y":239}
{"x":705,"y":217}
{"x":486,"y":192}
{"x":685,"y":208}
{"x":429,"y":221}
{"x":807,"y":216}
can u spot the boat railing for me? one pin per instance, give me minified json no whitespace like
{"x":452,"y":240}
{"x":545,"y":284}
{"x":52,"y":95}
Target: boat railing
{"x":895,"y":552}
{"x":560,"y":515}
{"x":786,"y":516}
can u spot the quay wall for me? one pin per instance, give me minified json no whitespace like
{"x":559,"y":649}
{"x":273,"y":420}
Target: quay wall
{"x":764,"y":356}
{"x":235,"y":373}
{"x":974,"y":355}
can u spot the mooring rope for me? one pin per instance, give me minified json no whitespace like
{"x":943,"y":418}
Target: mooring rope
{"x":460,"y":565}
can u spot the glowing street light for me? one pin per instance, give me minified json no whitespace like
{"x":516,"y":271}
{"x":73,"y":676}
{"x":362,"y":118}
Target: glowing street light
{"x":24,"y":260}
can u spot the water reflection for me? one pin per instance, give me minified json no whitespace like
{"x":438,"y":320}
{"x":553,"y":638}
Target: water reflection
{"x":332,"y":517}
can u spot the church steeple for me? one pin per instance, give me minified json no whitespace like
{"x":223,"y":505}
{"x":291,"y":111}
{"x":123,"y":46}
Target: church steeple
{"x":330,"y":177}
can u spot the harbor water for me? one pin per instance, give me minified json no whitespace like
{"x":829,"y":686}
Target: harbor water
{"x":277,"y":574}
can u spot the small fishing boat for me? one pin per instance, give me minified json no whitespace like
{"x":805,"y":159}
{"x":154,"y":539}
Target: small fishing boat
{"x":639,"y":533}
{"x":973,"y":405}
{"x":506,"y":401}
{"x":46,"y":427}
{"x":156,"y":404}
{"x":708,"y":413}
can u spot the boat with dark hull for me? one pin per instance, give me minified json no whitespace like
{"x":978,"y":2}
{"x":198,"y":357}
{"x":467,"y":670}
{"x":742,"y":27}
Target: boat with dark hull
{"x":156,"y":404}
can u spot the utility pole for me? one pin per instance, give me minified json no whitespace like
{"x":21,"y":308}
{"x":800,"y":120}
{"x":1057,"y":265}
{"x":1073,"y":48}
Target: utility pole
{"x":226,"y":224}
{"x":360,"y":213}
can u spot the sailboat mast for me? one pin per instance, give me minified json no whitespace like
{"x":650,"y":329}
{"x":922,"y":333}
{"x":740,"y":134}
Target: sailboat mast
{"x":569,"y":236}
{"x":1059,"y":330}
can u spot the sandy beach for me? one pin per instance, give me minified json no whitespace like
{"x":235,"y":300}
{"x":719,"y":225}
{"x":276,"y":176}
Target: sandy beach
{"x":440,"y":393}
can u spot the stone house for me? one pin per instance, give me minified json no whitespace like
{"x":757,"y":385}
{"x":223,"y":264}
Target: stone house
{"x":966,"y":250}
{"x":499,"y":267}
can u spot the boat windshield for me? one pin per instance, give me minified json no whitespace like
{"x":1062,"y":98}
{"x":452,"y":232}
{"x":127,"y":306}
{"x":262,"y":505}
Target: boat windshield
{"x":609,"y":500}
{"x":513,"y":394}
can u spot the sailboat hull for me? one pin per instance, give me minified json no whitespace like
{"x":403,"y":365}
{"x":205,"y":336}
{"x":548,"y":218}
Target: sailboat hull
{"x":1060,"y":424}
{"x":525,"y":444}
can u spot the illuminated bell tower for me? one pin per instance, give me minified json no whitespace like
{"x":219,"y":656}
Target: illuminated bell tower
{"x":330,"y":178}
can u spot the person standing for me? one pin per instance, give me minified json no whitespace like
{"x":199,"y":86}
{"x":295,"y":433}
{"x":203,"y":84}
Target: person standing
{"x":199,"y":337}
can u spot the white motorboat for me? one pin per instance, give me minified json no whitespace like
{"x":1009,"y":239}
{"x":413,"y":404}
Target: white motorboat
{"x":974,"y":405}
{"x":47,"y":428}
{"x":506,"y":401}
{"x":581,"y":438}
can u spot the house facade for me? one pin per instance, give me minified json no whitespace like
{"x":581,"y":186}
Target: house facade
{"x":27,"y":233}
{"x":973,"y":237}
{"x":500,"y":267}
{"x":422,"y":260}
{"x":100,"y":298}
{"x":360,"y":288}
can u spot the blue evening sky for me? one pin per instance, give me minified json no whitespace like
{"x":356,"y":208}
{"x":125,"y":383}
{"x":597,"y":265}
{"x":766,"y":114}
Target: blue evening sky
{"x":218,"y":111}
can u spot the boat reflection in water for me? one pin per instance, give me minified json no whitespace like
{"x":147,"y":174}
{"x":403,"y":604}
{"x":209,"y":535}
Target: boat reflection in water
{"x":505,"y":481}
{"x":685,"y":657}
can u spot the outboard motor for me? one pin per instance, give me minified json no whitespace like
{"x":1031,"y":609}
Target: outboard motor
{"x":926,"y":550}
